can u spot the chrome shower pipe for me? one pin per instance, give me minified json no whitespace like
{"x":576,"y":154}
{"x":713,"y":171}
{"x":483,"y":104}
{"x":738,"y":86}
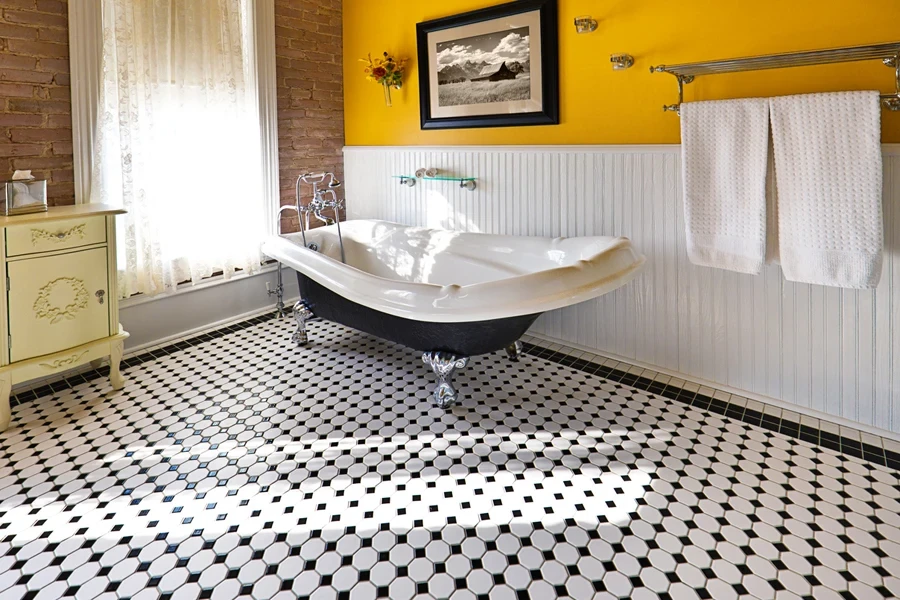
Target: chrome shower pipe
{"x":333,"y":184}
{"x":300,"y":212}
{"x":336,"y":207}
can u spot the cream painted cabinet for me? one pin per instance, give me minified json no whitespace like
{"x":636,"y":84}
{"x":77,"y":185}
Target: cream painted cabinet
{"x":57,"y":302}
{"x":60,"y":309}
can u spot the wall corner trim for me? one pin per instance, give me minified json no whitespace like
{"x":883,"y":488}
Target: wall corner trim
{"x":264,"y":47}
{"x":85,"y":64}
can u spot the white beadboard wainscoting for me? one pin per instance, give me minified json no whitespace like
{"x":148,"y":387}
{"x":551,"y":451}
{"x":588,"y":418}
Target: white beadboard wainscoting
{"x":830,"y":350}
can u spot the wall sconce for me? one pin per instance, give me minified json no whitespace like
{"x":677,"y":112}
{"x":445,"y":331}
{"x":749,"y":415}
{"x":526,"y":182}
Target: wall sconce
{"x":620,"y":62}
{"x":585,"y":24}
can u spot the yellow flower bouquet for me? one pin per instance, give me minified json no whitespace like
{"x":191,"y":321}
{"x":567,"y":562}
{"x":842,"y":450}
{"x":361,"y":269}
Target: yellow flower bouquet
{"x":387,"y":71}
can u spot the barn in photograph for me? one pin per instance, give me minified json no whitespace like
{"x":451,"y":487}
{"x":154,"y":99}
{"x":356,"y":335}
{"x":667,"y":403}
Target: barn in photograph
{"x":495,"y":73}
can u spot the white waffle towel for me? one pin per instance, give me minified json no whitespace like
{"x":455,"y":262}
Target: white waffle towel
{"x":724,"y":146}
{"x":828,"y":175}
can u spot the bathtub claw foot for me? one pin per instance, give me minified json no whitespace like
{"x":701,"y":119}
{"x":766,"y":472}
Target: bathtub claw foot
{"x":444,"y":366}
{"x":514,"y":351}
{"x":302,"y":314}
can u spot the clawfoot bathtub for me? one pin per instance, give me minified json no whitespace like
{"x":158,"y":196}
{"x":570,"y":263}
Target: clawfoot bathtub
{"x":447,"y":294}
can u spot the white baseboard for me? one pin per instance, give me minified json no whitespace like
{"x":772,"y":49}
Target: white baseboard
{"x":152,"y":321}
{"x":822,"y":416}
{"x":165,"y":341}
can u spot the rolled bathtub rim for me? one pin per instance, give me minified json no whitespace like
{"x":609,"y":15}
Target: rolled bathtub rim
{"x":529,"y":293}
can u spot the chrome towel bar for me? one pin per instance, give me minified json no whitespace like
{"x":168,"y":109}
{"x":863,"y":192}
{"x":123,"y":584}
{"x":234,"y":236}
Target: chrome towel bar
{"x":889,"y":54}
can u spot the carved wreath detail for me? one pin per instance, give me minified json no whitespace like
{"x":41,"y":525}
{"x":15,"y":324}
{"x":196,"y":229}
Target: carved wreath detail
{"x":44,"y":310}
{"x":63,"y":362}
{"x":41,"y":235}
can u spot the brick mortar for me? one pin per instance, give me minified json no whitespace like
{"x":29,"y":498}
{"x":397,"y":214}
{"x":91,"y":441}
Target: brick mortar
{"x":308,"y":52}
{"x":35,"y":98}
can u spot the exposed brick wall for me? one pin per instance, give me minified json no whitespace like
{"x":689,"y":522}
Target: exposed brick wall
{"x":35,"y":101}
{"x":310,"y":92}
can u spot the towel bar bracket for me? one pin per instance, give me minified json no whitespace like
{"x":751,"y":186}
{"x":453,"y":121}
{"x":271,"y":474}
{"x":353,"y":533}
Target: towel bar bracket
{"x":892,"y":101}
{"x":682,"y":79}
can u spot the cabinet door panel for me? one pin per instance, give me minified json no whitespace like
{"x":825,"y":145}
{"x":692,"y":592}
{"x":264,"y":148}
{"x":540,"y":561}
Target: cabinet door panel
{"x":57,"y":302}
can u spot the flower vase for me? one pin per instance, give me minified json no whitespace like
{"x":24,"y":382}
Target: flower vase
{"x":387,"y":95}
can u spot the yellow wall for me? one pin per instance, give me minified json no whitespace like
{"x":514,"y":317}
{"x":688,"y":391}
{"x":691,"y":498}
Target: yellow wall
{"x":600,"y":106}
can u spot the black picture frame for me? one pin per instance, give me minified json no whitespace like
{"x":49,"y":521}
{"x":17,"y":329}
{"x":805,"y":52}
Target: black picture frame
{"x":549,"y":64}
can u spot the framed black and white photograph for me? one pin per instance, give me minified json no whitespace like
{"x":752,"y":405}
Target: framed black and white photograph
{"x":494,"y":67}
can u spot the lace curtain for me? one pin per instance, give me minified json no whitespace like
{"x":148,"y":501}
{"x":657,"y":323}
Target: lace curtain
{"x":178,"y":140}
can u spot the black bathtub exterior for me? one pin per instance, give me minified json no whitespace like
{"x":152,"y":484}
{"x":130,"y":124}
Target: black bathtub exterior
{"x":461,"y":339}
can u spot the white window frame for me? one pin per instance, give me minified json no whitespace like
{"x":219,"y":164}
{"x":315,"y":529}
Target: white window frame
{"x":85,"y":57}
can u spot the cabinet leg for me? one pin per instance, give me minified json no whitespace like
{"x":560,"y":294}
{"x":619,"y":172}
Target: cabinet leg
{"x":5,"y":390}
{"x":115,"y":357}
{"x":97,"y":363}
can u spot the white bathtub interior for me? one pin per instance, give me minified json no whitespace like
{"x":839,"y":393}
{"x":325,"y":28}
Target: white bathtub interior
{"x":443,"y":257}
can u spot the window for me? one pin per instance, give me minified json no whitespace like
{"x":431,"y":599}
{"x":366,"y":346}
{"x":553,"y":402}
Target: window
{"x":183,"y":134}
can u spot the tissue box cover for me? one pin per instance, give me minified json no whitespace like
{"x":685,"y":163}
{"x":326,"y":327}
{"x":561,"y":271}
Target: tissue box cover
{"x":21,"y":197}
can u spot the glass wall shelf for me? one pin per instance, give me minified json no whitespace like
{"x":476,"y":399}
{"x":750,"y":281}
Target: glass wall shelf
{"x":410,"y":180}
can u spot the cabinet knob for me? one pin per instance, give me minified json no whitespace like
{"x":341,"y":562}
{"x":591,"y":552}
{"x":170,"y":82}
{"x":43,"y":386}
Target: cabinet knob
{"x":100,"y":295}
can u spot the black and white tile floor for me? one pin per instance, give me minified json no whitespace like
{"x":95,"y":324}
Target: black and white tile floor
{"x":235,"y":465}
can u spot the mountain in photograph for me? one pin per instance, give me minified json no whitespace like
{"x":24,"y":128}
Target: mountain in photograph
{"x":457,"y":73}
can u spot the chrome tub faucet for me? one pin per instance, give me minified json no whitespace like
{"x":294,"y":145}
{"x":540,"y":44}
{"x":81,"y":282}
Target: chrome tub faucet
{"x":316,"y":206}
{"x":319,"y":204}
